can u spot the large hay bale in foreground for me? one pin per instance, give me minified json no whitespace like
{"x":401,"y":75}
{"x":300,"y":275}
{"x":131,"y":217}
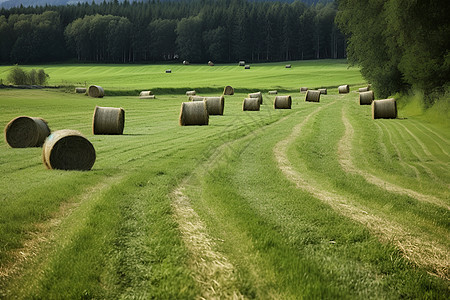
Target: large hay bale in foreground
{"x":80,"y":90}
{"x":215,"y":105}
{"x":256,"y":95}
{"x":241,"y":63}
{"x":282,"y":102}
{"x":191,"y":93}
{"x":384,"y":109}
{"x":303,"y":89}
{"x":194,"y":113}
{"x":251,"y":104}
{"x":366,"y":98}
{"x":228,"y":90}
{"x":96,"y":91}
{"x":196,"y":98}
{"x":22,"y":132}
{"x":68,"y":150}
{"x":273,"y":92}
{"x":323,"y":91}
{"x":363,"y":89}
{"x":108,"y":120}
{"x":312,"y":96}
{"x":344,"y":89}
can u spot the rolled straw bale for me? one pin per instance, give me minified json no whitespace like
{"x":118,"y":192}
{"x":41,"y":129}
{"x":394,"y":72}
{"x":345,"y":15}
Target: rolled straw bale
{"x":194,"y":113}
{"x":363,"y":89}
{"x":282,"y":102}
{"x":108,"y":120}
{"x":247,"y":67}
{"x":196,"y":98}
{"x":241,"y":63}
{"x":251,"y":104}
{"x":22,"y":132}
{"x":68,"y":150}
{"x":148,"y":97}
{"x":185,"y":62}
{"x":191,"y":93}
{"x":384,"y":109}
{"x":273,"y":92}
{"x":256,"y":95}
{"x":80,"y":90}
{"x":96,"y":91}
{"x":323,"y":91}
{"x":366,"y":98}
{"x":344,"y":89}
{"x":228,"y":90}
{"x":288,"y":66}
{"x":210,"y":63}
{"x":312,"y":96}
{"x":145,"y":93}
{"x":215,"y":105}
{"x":303,"y":89}
{"x":169,"y":71}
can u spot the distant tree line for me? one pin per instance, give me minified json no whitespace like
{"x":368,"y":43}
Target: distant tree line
{"x":198,"y":31}
{"x":400,"y":45}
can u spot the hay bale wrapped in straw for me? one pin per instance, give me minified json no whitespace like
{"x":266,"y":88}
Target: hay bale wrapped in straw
{"x":191,"y":93}
{"x":251,"y":104}
{"x":196,"y":98}
{"x":96,"y":91}
{"x":273,"y":92}
{"x":312,"y":96}
{"x":241,"y":63}
{"x":247,"y":67}
{"x":68,"y":150}
{"x":22,"y":132}
{"x":215,"y":105}
{"x":363,"y":89}
{"x":282,"y":102}
{"x":145,"y":93}
{"x":323,"y":91}
{"x":194,"y":113}
{"x":303,"y":89}
{"x":256,"y":95}
{"x":148,"y":97}
{"x":108,"y":120}
{"x":210,"y":63}
{"x":366,"y":98}
{"x":80,"y":90}
{"x":344,"y":89}
{"x":228,"y":90}
{"x":384,"y":109}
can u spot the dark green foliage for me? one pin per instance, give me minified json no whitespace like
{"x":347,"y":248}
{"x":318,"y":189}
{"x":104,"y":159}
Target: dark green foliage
{"x":19,"y":76}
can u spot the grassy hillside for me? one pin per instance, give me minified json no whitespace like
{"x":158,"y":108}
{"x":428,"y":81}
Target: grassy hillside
{"x":319,"y":201}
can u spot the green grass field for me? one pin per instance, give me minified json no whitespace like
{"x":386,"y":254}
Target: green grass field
{"x":319,"y":201}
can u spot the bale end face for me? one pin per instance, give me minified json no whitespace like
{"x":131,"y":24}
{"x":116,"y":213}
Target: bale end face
{"x":384,"y":109}
{"x":228,"y":90}
{"x":193,"y":113}
{"x":23,"y":132}
{"x":96,"y":91}
{"x":282,"y":102}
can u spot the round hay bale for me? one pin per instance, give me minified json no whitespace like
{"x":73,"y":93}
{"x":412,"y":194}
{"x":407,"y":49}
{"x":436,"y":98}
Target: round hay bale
{"x":282,"y":102}
{"x":145,"y":93}
{"x":247,"y":67}
{"x":303,"y":89}
{"x":185,"y":62}
{"x":169,"y":71}
{"x":241,"y":63}
{"x":228,"y":90}
{"x":366,"y":98}
{"x":251,"y":104}
{"x":196,"y":98}
{"x":22,"y":132}
{"x":96,"y":91}
{"x":312,"y":96}
{"x":256,"y":95}
{"x":191,"y":93}
{"x":215,"y":105}
{"x":273,"y":92}
{"x":344,"y":89}
{"x":363,"y":89}
{"x":108,"y":120}
{"x":194,"y":113}
{"x":68,"y":150}
{"x":384,"y":109}
{"x":323,"y":91}
{"x":148,"y":97}
{"x":210,"y":63}
{"x":80,"y":90}
{"x":288,"y":66}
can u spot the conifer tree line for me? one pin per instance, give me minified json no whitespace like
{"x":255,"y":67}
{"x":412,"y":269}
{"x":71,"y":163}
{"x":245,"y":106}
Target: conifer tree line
{"x":197,"y":31}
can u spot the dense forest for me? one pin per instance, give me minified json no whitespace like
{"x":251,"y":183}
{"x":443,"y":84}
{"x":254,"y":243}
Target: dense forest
{"x":197,"y":31}
{"x":400,"y":45}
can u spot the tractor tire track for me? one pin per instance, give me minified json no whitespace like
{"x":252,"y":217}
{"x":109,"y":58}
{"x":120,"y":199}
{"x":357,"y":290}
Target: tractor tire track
{"x":423,"y":252}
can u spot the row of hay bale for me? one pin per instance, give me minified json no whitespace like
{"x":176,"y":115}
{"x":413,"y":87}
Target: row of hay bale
{"x":94,"y":91}
{"x":381,"y":109}
{"x":64,"y":149}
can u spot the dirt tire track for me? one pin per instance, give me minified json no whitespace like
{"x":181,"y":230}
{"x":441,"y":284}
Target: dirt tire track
{"x":345,"y":160}
{"x":423,"y":252}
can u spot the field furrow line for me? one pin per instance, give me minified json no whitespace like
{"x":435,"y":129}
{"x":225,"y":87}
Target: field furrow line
{"x":427,"y":131}
{"x":345,"y":160}
{"x":419,"y":249}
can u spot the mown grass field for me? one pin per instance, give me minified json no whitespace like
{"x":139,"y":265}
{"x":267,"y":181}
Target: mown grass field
{"x":319,"y":201}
